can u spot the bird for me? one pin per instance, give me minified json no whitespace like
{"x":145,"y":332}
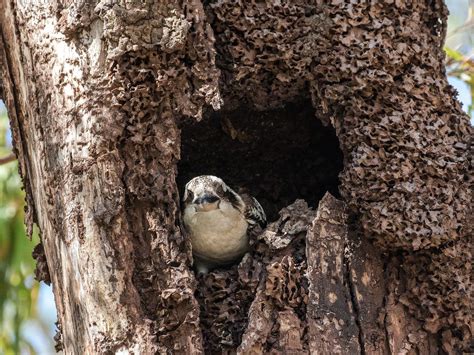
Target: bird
{"x":218,"y":221}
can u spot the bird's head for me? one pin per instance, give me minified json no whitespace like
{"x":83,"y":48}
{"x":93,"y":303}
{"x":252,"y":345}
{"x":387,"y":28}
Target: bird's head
{"x":206,"y":192}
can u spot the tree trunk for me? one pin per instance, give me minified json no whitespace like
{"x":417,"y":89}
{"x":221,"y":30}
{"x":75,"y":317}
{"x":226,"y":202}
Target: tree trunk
{"x":114,"y":105}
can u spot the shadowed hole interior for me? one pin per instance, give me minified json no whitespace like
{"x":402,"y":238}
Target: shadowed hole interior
{"x":278,"y":155}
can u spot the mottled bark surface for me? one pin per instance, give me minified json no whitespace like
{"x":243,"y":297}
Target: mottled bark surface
{"x":93,"y":91}
{"x":98,"y":93}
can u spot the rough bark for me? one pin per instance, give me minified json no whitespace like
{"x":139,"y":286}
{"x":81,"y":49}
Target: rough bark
{"x":97,"y":92}
{"x":332,"y":310}
{"x":93,"y":127}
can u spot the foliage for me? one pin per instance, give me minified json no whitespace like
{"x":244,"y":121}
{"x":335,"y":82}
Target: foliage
{"x":461,"y":67}
{"x":460,"y":54}
{"x":18,"y":290}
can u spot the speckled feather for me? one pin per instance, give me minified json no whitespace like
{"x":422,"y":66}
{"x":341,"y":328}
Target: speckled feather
{"x":247,"y":204}
{"x":219,"y":229}
{"x":254,"y":213}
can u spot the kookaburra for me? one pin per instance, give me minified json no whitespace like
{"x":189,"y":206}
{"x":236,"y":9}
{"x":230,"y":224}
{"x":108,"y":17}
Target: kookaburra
{"x":218,"y":220}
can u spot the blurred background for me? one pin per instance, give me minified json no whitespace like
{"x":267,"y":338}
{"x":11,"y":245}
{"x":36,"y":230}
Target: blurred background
{"x":27,"y":311}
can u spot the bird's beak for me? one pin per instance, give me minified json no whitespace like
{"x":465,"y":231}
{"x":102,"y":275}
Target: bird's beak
{"x":206,"y":202}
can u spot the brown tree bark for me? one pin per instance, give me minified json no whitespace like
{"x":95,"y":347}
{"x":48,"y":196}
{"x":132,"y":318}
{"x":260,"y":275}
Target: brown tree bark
{"x":105,"y":100}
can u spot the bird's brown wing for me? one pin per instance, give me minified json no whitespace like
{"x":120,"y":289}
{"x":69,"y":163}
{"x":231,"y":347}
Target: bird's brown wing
{"x":254,"y":213}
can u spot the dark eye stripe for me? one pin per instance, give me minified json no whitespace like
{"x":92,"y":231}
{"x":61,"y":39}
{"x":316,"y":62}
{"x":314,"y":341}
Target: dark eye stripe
{"x":190,"y":196}
{"x":220,"y":190}
{"x":232,"y":198}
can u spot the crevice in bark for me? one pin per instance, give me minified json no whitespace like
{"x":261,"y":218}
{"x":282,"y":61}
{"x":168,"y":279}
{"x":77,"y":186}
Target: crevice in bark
{"x":353,"y":299}
{"x":384,"y":325}
{"x":41,"y":269}
{"x":58,"y":337}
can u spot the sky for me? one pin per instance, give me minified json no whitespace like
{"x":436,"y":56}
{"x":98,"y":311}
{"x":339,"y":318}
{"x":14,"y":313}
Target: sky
{"x":462,"y":41}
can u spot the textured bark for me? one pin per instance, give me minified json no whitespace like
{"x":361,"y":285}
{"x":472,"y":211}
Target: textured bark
{"x":98,"y":94}
{"x":331,"y":310}
{"x":89,"y":102}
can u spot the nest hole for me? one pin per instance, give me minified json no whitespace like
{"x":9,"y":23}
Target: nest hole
{"x":277,"y":155}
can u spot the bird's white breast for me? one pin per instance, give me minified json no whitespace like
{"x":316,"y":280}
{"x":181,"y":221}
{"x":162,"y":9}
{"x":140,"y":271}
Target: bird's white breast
{"x":219,"y":235}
